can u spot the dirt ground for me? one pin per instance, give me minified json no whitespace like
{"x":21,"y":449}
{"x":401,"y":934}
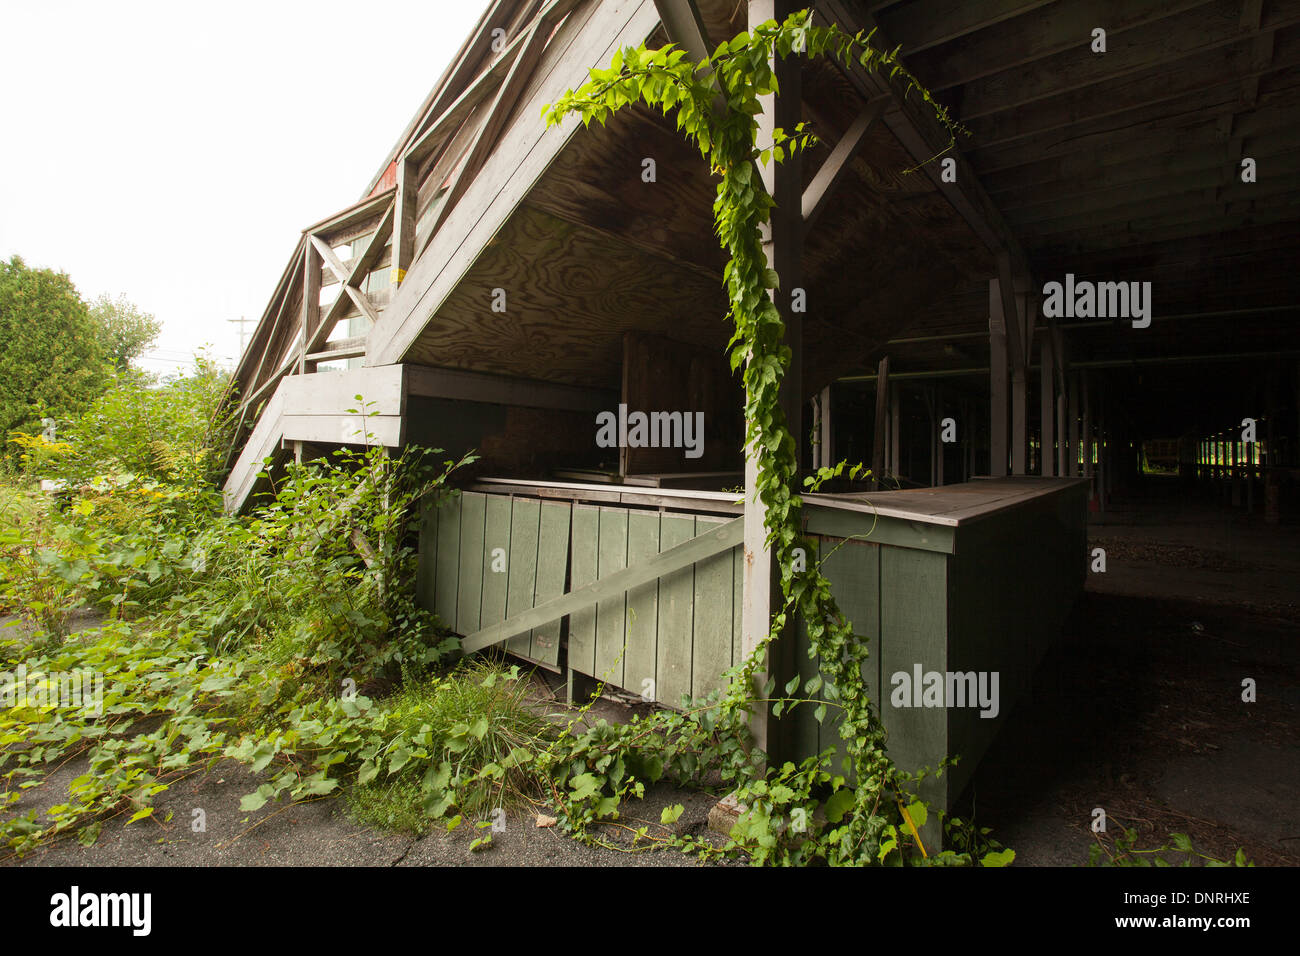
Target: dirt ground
{"x":1139,"y":711}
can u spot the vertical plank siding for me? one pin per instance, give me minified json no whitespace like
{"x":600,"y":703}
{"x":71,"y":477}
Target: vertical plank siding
{"x":992,"y":602}
{"x":552,"y":568}
{"x":676,"y":624}
{"x":611,"y":619}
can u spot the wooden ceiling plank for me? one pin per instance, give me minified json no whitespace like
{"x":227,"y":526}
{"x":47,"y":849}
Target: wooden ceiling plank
{"x":1203,"y":71}
{"x":921,"y":135}
{"x":1136,"y":51}
{"x":1203,"y":116}
{"x":919,"y":26}
{"x":1035,"y":35}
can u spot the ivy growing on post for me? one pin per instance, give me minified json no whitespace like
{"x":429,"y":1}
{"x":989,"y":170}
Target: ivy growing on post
{"x":715,"y":104}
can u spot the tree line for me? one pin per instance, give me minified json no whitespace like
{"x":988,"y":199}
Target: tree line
{"x":59,"y":351}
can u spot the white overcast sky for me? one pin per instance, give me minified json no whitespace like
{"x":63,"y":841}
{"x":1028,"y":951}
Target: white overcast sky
{"x":174,"y":151}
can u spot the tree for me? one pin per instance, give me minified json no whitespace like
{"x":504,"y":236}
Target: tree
{"x":125,"y":331}
{"x":52,"y":359}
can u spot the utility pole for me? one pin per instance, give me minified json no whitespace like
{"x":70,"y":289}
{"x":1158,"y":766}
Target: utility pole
{"x":242,"y":322}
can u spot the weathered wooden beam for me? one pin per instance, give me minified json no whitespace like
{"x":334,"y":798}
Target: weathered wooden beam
{"x":832,"y":171}
{"x":1191,"y":75}
{"x":360,"y":269}
{"x":525,"y":150}
{"x":498,"y":112}
{"x":344,"y":429}
{"x":685,"y":27}
{"x":330,"y":258}
{"x":272,"y":327}
{"x":1031,"y":38}
{"x":1042,"y":187}
{"x":351,"y":348}
{"x":881,"y":422}
{"x":921,"y":26}
{"x":721,"y":538}
{"x":428,"y":382}
{"x":404,"y":218}
{"x":382,"y":389}
{"x":1206,"y":119}
{"x":362,"y":302}
{"x":310,"y":301}
{"x":266,"y":326}
{"x":1145,"y":48}
{"x":457,"y":112}
{"x":923,"y":137}
{"x":372,"y":207}
{"x":450,"y":84}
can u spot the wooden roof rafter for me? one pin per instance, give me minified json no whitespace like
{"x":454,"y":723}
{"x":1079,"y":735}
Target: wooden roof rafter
{"x":923,"y":137}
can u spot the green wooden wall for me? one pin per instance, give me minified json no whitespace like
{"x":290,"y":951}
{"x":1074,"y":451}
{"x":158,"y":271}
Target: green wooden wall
{"x":670,"y":639}
{"x":986,"y":596}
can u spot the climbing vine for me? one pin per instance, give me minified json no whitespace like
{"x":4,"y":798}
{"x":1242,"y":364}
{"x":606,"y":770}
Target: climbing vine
{"x":715,"y":104}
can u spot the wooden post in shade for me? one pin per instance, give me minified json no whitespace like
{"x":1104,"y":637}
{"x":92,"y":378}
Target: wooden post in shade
{"x":1072,"y":456}
{"x":938,"y":434}
{"x":999,"y":369}
{"x":878,"y":431}
{"x":1047,"y":409}
{"x":895,"y":424}
{"x":825,"y":430}
{"x":783,"y":247}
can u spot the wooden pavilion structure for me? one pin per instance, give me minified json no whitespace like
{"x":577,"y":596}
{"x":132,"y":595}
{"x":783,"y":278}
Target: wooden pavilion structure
{"x":499,"y":284}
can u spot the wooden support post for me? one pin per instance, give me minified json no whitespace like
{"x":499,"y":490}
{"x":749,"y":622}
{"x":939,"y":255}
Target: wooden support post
{"x":1072,"y":455}
{"x":1017,"y":325}
{"x":312,"y":266}
{"x":1086,"y":431}
{"x":878,"y":429}
{"x":404,"y":210}
{"x":968,"y":442}
{"x":895,"y":425}
{"x":999,"y":369}
{"x":783,"y":249}
{"x":1019,"y":437}
{"x":938,"y":434}
{"x":825,"y":430}
{"x":1047,"y":409}
{"x":1062,"y":400}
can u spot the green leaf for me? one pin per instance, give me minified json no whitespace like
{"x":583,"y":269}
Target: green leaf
{"x":838,"y":804}
{"x":999,"y":858}
{"x":670,"y":815}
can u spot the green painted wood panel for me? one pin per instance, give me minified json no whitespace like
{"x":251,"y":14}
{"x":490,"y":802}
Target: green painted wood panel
{"x":469,"y":599}
{"x":711,"y":641}
{"x":495,"y":583}
{"x":525,"y":525}
{"x":737,"y":604}
{"x":640,"y":658}
{"x":426,"y":566}
{"x":913,"y":630}
{"x":853,"y":568}
{"x":447,"y":575}
{"x":584,"y":544}
{"x":611,"y":613}
{"x":676,"y":610}
{"x":552,"y":567}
